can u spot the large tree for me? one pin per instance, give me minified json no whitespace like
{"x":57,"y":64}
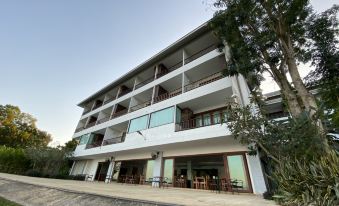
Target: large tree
{"x":269,"y":36}
{"x":18,"y":129}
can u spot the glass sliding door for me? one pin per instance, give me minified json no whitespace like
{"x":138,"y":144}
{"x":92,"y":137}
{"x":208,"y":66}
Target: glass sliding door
{"x":149,"y":170}
{"x":237,"y":171}
{"x":168,"y":170}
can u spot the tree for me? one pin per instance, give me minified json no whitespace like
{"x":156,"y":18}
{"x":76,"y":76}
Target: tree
{"x":18,"y":129}
{"x":324,"y":53}
{"x":268,"y":36}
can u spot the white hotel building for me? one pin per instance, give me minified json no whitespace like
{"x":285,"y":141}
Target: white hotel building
{"x":163,"y":119}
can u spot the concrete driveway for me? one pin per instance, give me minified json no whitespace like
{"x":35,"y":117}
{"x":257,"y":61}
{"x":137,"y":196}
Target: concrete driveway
{"x":137,"y":192}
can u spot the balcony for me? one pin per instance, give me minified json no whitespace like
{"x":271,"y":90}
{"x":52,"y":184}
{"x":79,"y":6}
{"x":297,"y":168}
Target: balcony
{"x":79,"y":129}
{"x":202,"y":120}
{"x":114,"y":140}
{"x":204,"y":81}
{"x":143,"y":83}
{"x":119,"y":113}
{"x":93,"y":145}
{"x":108,"y":100}
{"x":200,"y":53}
{"x":168,"y":95}
{"x":102,"y":120}
{"x":141,"y":105}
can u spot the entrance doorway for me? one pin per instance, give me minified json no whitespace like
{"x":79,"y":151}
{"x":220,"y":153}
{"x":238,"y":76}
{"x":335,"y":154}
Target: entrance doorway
{"x":101,"y":172}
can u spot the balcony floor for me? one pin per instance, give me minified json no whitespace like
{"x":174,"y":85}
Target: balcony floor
{"x":144,"y":192}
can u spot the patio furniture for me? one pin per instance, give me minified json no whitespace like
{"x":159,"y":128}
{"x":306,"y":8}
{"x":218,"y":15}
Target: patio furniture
{"x":156,"y":181}
{"x":214,"y":184}
{"x":181,"y":182}
{"x":142,"y":180}
{"x":236,"y":185}
{"x":130,"y":179}
{"x":200,"y":183}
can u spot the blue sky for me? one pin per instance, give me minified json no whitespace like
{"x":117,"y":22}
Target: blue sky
{"x":53,"y":54}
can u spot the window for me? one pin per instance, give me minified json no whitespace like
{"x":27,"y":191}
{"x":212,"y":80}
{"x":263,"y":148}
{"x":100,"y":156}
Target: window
{"x":138,"y":124}
{"x":207,"y":119}
{"x":84,"y":139}
{"x":168,"y":170}
{"x":216,"y":117}
{"x":162,"y":117}
{"x":236,"y":167}
{"x":149,"y":170}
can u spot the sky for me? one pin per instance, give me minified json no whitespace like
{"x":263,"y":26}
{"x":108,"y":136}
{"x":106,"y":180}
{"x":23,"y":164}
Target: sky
{"x":54,"y":54}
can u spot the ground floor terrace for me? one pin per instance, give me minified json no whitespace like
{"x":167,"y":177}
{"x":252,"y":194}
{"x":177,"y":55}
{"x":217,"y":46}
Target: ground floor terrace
{"x":218,"y":164}
{"x":78,"y":190}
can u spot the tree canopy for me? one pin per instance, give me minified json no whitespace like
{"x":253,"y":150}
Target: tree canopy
{"x":18,"y":129}
{"x":273,"y":36}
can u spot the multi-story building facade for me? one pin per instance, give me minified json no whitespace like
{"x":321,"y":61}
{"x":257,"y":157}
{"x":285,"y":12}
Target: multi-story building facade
{"x":163,"y":118}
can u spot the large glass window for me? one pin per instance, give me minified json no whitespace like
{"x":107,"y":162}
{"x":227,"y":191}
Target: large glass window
{"x":162,"y":117}
{"x":237,"y":171}
{"x":138,"y":124}
{"x":168,"y":170}
{"x":149,"y":170}
{"x":207,"y":119}
{"x":84,"y":139}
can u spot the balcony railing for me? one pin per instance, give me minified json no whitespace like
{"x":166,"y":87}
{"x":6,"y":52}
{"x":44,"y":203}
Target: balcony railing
{"x":85,"y":112}
{"x":102,"y":120}
{"x":200,"y":53}
{"x":124,"y":93}
{"x":168,"y":95}
{"x":108,"y":100}
{"x":202,"y":121}
{"x":204,"y":81}
{"x":113,"y":140}
{"x":140,"y":106}
{"x":120,"y":113}
{"x":93,"y":144}
{"x":149,"y":80}
{"x":91,"y":124}
{"x":79,"y":129}
{"x":97,"y":106}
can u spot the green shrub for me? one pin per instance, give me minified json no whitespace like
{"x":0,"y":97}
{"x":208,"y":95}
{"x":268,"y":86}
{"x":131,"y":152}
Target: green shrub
{"x":308,"y":183}
{"x":13,"y":160}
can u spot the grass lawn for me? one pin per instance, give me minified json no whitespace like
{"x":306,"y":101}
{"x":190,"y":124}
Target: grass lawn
{"x":4,"y":202}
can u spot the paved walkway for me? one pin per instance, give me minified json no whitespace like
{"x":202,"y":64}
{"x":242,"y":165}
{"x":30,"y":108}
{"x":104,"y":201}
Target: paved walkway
{"x":144,"y":192}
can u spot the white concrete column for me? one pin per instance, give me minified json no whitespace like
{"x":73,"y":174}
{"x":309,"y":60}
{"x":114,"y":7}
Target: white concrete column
{"x":256,"y":174}
{"x":157,"y":167}
{"x":184,"y":56}
{"x":110,"y":170}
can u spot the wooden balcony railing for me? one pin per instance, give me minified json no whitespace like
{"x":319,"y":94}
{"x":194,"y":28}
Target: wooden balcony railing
{"x":102,"y":120}
{"x":85,"y":112}
{"x":148,"y":80}
{"x":79,"y":129}
{"x":168,"y":95}
{"x":140,"y":106}
{"x":200,"y":53}
{"x":91,"y":124}
{"x":93,"y":145}
{"x":124,"y":92}
{"x":97,"y":106}
{"x":202,"y":121}
{"x":113,"y":140}
{"x":108,"y":100}
{"x":204,"y":81}
{"x":120,"y":113}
